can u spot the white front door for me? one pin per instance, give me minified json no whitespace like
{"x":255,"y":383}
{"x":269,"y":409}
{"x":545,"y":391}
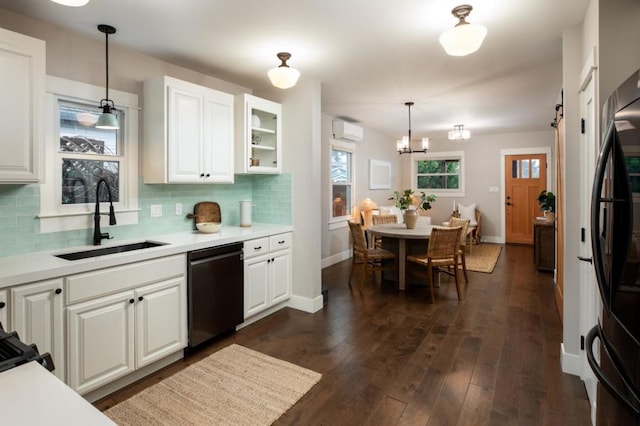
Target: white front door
{"x":590,"y":304}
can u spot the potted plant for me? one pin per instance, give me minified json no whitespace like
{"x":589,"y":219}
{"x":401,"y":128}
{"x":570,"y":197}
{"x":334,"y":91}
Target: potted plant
{"x":410,"y":203}
{"x":547,"y":202}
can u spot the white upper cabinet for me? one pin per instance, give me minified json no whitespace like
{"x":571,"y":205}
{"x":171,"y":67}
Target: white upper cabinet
{"x":22,"y":93}
{"x":258,"y":125}
{"x":188,"y":133}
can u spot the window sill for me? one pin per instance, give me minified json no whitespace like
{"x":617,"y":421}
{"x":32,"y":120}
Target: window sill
{"x":337,"y":224}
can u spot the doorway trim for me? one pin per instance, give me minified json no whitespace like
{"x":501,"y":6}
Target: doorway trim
{"x":519,"y":151}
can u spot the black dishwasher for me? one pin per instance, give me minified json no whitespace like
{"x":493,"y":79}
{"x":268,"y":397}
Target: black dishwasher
{"x":215,"y":291}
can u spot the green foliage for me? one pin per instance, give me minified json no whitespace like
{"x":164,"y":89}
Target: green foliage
{"x":405,"y":199}
{"x":547,"y":201}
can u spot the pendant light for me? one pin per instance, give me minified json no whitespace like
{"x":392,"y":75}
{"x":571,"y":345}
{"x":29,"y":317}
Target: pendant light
{"x":404,"y":145}
{"x":464,"y":38}
{"x":283,"y":76}
{"x":107,"y":119}
{"x":459,"y":133}
{"x":73,"y":3}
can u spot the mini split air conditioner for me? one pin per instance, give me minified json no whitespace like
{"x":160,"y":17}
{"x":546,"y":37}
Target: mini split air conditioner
{"x":346,"y":131}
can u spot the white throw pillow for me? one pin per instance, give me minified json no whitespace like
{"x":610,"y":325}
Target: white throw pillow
{"x":468,"y":212}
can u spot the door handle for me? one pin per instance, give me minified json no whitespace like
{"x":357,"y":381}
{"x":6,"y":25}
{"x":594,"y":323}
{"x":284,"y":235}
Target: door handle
{"x":586,"y":259}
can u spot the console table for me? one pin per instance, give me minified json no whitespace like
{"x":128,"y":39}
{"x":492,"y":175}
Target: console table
{"x":544,"y":245}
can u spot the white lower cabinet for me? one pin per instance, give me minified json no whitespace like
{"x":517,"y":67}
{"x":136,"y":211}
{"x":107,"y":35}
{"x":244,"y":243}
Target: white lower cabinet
{"x":4,"y":310}
{"x":37,"y":317}
{"x":267,"y":272}
{"x":111,"y":336}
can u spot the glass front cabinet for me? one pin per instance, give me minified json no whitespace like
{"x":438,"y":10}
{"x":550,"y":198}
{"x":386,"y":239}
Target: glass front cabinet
{"x":258,"y":149}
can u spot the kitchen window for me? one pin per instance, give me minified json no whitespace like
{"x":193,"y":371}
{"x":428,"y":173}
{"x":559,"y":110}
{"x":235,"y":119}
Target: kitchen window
{"x":78,"y":155}
{"x":342,"y":183}
{"x":440,"y":173}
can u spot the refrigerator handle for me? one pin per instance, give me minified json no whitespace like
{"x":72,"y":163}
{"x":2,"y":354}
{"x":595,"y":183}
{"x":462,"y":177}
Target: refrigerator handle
{"x":629,"y":398}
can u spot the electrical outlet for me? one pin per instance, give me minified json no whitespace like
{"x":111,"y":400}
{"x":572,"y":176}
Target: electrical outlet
{"x":156,"y":210}
{"x":178,"y":209}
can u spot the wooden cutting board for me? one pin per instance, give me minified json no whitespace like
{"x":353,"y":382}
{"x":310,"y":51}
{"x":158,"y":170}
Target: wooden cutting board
{"x":206,"y":211}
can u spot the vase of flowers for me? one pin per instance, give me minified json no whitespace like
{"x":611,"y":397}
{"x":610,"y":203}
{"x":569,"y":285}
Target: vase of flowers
{"x":410,"y":203}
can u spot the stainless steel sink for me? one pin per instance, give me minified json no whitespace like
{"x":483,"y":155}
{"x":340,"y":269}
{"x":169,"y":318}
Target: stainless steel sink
{"x":108,"y":250}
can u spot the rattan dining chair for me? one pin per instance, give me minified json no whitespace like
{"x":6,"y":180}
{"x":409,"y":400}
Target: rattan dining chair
{"x":464,"y":224}
{"x":370,"y":259}
{"x":442,"y":253}
{"x":382,"y":219}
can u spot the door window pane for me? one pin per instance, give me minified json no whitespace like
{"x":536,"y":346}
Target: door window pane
{"x":525,"y":169}
{"x":535,"y":169}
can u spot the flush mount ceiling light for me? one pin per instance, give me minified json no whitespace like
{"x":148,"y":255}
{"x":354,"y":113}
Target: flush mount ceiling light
{"x":107,"y":119}
{"x":458,"y":133}
{"x":404,"y":145}
{"x":74,"y":3}
{"x":464,"y":38}
{"x":284,"y":76}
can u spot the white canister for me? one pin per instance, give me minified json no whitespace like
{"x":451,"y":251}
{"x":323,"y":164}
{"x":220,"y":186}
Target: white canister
{"x":245,"y":213}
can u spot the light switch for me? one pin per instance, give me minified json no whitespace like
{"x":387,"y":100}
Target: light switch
{"x":178,"y":209}
{"x":494,"y":189}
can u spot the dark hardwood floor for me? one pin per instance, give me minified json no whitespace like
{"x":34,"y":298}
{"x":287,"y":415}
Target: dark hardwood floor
{"x":393,"y":358}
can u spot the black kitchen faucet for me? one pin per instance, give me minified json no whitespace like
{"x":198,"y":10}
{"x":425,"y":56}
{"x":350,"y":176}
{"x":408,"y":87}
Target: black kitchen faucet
{"x":97,"y":235}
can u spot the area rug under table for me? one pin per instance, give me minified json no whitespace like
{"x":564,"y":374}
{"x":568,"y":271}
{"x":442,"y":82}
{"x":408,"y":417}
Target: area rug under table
{"x":483,"y":257}
{"x":234,"y":386}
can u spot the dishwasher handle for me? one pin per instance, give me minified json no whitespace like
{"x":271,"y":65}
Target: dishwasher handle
{"x":216,"y":257}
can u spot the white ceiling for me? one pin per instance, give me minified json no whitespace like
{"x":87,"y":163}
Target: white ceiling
{"x":370,"y":55}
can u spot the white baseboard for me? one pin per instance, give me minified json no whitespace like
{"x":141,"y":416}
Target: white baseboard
{"x":306,"y":304}
{"x":492,"y":239}
{"x":571,"y":363}
{"x":336,"y":258}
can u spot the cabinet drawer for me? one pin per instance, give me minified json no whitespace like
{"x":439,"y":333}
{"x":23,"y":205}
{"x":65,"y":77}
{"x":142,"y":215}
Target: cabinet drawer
{"x":257,"y":247}
{"x":280,"y":242}
{"x":110,"y":280}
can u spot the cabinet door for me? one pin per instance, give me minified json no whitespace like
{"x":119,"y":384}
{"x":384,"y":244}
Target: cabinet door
{"x":4,"y":310}
{"x":37,"y":311}
{"x":218,"y":138}
{"x":280,"y":276}
{"x":100,"y":341}
{"x":185,"y":135}
{"x":22,"y":85}
{"x":256,"y":286}
{"x":161,"y":320}
{"x":259,"y":127}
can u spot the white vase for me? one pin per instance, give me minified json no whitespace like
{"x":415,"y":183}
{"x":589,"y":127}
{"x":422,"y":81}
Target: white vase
{"x":410,"y":218}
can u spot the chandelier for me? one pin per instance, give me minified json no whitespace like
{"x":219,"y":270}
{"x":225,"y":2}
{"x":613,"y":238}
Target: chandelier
{"x":404,"y":145}
{"x":459,"y":133}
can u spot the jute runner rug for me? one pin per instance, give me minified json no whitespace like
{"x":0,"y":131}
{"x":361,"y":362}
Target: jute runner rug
{"x":483,"y":257}
{"x":234,"y":386}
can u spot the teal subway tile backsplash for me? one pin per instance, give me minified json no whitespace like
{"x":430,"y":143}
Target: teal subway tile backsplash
{"x":271,"y":197}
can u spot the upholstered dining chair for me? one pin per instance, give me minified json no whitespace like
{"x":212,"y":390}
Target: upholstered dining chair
{"x":442,"y":253}
{"x":370,"y":259}
{"x":464,"y":225}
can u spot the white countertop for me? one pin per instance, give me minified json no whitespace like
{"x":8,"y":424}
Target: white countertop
{"x":22,"y":269}
{"x":31,"y":395}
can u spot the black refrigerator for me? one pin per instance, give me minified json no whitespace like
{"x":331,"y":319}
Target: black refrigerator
{"x":615,"y":237}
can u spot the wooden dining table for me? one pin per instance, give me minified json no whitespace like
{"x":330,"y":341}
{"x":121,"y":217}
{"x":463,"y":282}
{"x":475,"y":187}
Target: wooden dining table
{"x":400,"y":232}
